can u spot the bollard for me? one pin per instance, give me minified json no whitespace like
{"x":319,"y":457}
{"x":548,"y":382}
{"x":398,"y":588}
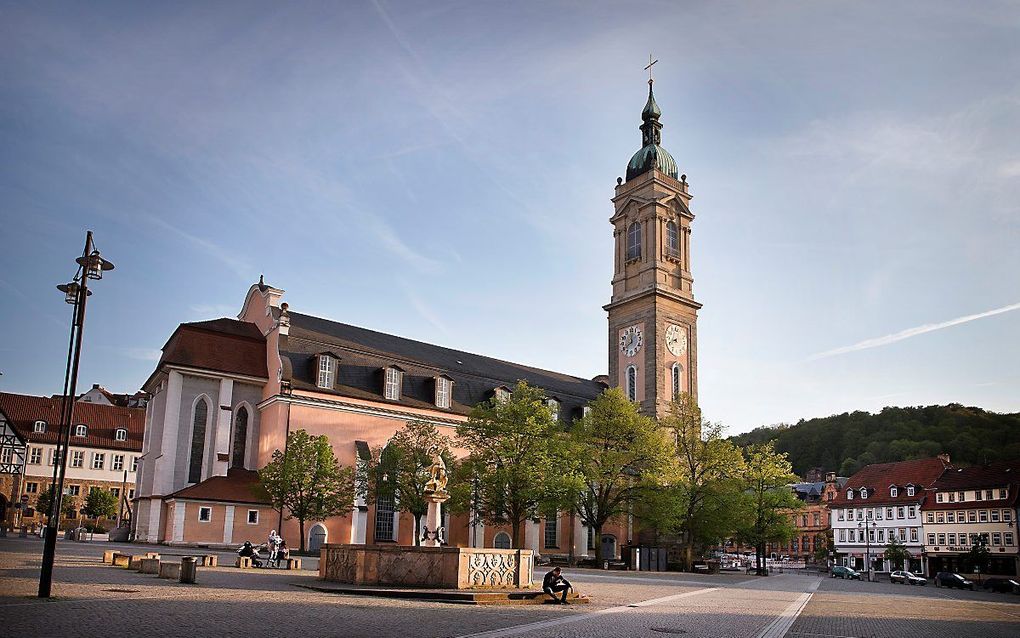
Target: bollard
{"x":189,"y":569}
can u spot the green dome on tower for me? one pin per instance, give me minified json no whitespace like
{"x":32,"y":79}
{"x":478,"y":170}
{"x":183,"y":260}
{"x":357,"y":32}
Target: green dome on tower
{"x":651,"y":155}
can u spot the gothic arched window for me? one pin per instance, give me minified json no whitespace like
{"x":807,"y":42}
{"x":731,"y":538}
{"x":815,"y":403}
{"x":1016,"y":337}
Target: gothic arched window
{"x":632,"y":383}
{"x":676,"y":373}
{"x":672,"y":240}
{"x":198,"y":440}
{"x":634,"y":241}
{"x":240,"y":436}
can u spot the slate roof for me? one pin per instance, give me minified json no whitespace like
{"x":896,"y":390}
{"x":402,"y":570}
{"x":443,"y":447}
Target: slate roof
{"x":364,"y":353}
{"x":238,"y":486}
{"x":23,"y":410}
{"x":879,"y":477}
{"x":988,"y":476}
{"x":223,"y":345}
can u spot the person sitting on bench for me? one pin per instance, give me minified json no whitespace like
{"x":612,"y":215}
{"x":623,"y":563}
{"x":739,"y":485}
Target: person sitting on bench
{"x":554,"y":583}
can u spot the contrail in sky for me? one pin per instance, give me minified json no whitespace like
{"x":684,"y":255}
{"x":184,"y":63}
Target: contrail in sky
{"x":910,"y":332}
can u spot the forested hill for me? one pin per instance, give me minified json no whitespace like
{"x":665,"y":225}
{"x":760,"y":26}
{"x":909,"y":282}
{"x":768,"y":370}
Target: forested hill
{"x":849,"y":441}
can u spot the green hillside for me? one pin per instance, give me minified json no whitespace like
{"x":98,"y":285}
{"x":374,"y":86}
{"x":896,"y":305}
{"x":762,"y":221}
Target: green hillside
{"x":849,"y":441}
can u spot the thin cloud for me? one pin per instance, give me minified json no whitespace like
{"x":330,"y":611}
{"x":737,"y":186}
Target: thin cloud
{"x":234,"y":263}
{"x":911,"y":332}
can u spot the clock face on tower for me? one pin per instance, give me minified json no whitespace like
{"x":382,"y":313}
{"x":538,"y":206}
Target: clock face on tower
{"x":630,"y":341}
{"x":676,"y":340}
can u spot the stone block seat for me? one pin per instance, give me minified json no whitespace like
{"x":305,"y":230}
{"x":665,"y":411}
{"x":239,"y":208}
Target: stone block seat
{"x":120,"y":560}
{"x":293,"y":563}
{"x":149,"y":566}
{"x":243,"y":562}
{"x":170,"y":570}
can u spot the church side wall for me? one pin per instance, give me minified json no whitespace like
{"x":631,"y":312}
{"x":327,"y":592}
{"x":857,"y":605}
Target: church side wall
{"x":191,"y":388}
{"x":251,"y":394}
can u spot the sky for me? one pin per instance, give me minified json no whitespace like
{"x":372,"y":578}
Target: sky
{"x":443,"y":171}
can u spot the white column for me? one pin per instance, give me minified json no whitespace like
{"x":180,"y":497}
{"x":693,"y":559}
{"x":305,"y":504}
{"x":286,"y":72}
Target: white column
{"x":224,"y":421}
{"x":155,"y":507}
{"x":477,"y":533}
{"x":228,"y":525}
{"x":359,"y":526}
{"x":178,"y":531}
{"x":432,"y":523}
{"x":531,"y":536}
{"x":166,"y":462}
{"x":580,"y":538}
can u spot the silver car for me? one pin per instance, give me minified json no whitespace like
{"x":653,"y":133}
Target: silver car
{"x":907,"y":578}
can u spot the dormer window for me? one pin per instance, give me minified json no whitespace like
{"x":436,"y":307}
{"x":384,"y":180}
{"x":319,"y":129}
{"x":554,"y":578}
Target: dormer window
{"x":502,"y":394}
{"x":327,"y":371}
{"x":894,"y":491}
{"x":585,"y":411}
{"x":864,"y":492}
{"x":81,"y":430}
{"x":120,"y":434}
{"x":849,"y":495}
{"x":39,"y":427}
{"x":392,"y":383}
{"x":444,"y":387}
{"x":910,"y":490}
{"x":554,"y":408}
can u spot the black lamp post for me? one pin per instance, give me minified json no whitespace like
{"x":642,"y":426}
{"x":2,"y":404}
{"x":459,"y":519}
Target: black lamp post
{"x":90,"y":266}
{"x":867,"y":527}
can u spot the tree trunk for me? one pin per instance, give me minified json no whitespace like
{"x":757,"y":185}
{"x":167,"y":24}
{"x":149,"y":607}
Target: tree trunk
{"x":515,"y":535}
{"x":301,"y":527}
{"x":598,"y":545}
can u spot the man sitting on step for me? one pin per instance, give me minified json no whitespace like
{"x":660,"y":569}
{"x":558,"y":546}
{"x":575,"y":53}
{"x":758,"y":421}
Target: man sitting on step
{"x":554,"y":583}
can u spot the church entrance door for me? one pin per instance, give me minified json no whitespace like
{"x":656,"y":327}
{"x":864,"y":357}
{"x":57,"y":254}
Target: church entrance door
{"x":316,"y":537}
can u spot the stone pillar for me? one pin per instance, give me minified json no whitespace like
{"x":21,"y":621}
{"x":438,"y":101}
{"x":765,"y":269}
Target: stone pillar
{"x":166,"y":462}
{"x":580,"y":538}
{"x":224,"y":423}
{"x":531,"y":536}
{"x":228,"y":525}
{"x":179,"y":514}
{"x":433,"y":520}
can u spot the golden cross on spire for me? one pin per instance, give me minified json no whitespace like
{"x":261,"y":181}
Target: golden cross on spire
{"x":649,"y":68}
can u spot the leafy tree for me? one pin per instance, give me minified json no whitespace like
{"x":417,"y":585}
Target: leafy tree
{"x":978,"y":557}
{"x":768,"y":500}
{"x":307,"y":480}
{"x":896,"y":553}
{"x":824,"y":544}
{"x":509,"y":473}
{"x":401,"y":470}
{"x":614,"y":451}
{"x":68,"y":505}
{"x":695,"y":503}
{"x":100,"y":503}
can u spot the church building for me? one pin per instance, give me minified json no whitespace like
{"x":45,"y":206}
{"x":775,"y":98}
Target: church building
{"x":226,"y":393}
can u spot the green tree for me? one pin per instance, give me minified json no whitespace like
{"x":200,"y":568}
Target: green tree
{"x":824,"y":545}
{"x":978,"y":557}
{"x":100,"y":503}
{"x":613,"y":452}
{"x":307,"y":481}
{"x":896,"y":553}
{"x":401,"y":469}
{"x":43,"y":501}
{"x":510,"y":471}
{"x":768,"y":500}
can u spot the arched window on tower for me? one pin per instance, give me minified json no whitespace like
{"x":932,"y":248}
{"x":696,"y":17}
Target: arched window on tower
{"x":676,"y":374}
{"x":240,"y":436}
{"x":632,"y":383}
{"x":672,"y":240}
{"x":634,"y":241}
{"x":198,"y":440}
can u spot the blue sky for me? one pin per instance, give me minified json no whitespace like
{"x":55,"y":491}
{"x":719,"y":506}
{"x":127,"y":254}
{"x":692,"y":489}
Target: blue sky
{"x":443,"y":171}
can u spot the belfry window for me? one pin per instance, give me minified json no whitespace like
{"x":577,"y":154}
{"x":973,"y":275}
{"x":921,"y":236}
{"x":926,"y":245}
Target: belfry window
{"x":676,"y":373}
{"x":672,"y":240}
{"x":634,"y":241}
{"x":240,"y":437}
{"x":632,"y":383}
{"x":198,"y":440}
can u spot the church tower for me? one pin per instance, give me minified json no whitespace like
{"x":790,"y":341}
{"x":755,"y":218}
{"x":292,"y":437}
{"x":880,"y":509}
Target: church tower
{"x":653,"y":316}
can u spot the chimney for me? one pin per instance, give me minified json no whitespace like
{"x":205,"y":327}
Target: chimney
{"x":944,"y":457}
{"x":95,"y":386}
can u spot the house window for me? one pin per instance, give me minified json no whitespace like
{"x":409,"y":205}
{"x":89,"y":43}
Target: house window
{"x":977,"y":495}
{"x":81,"y":430}
{"x":131,"y":493}
{"x":634,"y":241}
{"x":942,"y":539}
{"x":899,"y":512}
{"x":870,"y":514}
{"x":903,"y":533}
{"x":881,"y":536}
{"x":550,"y":531}
{"x":35,"y":455}
{"x":1002,"y":493}
{"x":989,"y":495}
{"x":442,"y":392}
{"x":893,"y":492}
{"x":585,"y":411}
{"x":73,"y":490}
{"x":1006,"y":516}
{"x":31,"y":488}
{"x":851,"y":514}
{"x":198,"y":422}
{"x":995,"y":516}
{"x":888,"y":513}
{"x":864,"y":492}
{"x":134,"y":463}
{"x":961,"y":496}
{"x":384,"y":517}
{"x":972,"y":516}
{"x":115,"y":491}
{"x":632,"y":383}
{"x":240,"y":436}
{"x":1007,"y":539}
{"x":672,"y":240}
{"x":502,"y":394}
{"x":941,"y":517}
{"x":54,"y":457}
{"x":120,"y":434}
{"x":840,"y":515}
{"x":852,"y":536}
{"x":951,"y":539}
{"x":913,"y":534}
{"x":849,"y":495}
{"x":950,"y":517}
{"x":930,"y":517}
{"x":39,"y":427}
{"x":391,"y":389}
{"x":253,"y":517}
{"x":983,"y":516}
{"x":327,"y":368}
{"x":501,"y":541}
{"x":816,"y":519}
{"x":98,"y":460}
{"x":910,"y":490}
{"x":676,"y":371}
{"x":931,"y":539}
{"x":204,"y":514}
{"x":911,"y":512}
{"x":77,"y":458}
{"x":952,"y":497}
{"x":878,"y":513}
{"x":842,"y":535}
{"x":996,"y":539}
{"x":118,"y":462}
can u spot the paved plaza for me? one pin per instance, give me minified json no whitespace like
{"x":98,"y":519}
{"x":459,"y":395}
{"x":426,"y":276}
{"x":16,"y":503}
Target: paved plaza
{"x":92,"y":599}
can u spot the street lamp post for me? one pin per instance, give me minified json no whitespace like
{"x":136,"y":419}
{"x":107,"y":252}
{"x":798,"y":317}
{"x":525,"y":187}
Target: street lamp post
{"x":90,"y":266}
{"x":867,"y":528}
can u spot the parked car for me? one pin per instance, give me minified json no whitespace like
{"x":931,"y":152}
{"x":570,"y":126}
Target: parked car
{"x":950,"y":579}
{"x":839,"y":571}
{"x":1003,"y":585}
{"x":907,"y":578}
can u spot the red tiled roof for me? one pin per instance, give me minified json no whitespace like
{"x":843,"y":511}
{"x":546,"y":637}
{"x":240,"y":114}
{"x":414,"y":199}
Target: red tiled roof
{"x":879,"y":477}
{"x":223,"y":345}
{"x":23,"y":410}
{"x":238,"y":486}
{"x":988,"y":476}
